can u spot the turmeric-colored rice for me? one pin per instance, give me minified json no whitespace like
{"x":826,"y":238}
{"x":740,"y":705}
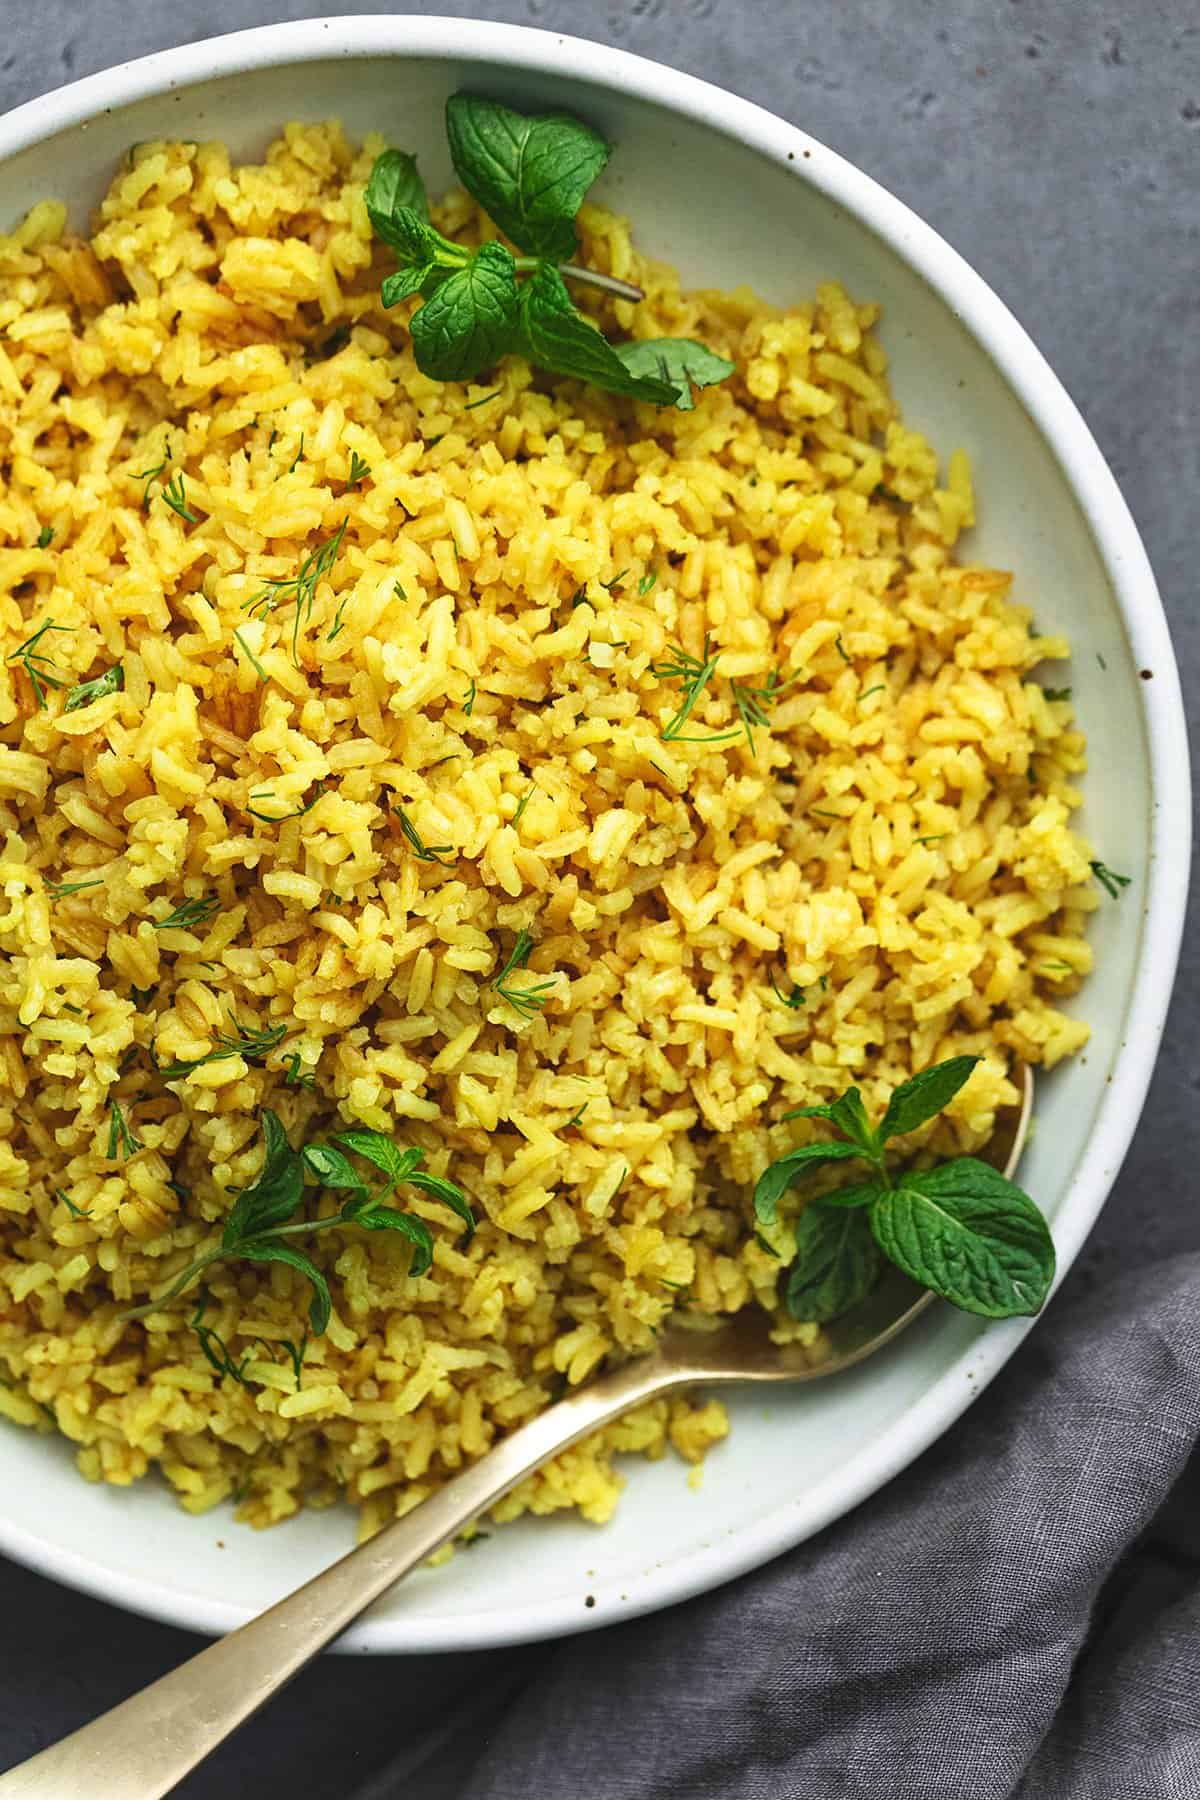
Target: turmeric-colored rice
{"x":892,"y":852}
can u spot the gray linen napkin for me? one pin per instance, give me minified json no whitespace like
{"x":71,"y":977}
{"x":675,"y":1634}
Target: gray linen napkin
{"x":1017,"y":1615}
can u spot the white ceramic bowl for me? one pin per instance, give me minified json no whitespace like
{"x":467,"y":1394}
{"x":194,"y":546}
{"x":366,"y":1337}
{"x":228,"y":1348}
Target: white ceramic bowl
{"x":781,"y":212}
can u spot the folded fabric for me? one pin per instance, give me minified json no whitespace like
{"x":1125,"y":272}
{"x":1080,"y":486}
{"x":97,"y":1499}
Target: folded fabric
{"x":1017,"y":1615}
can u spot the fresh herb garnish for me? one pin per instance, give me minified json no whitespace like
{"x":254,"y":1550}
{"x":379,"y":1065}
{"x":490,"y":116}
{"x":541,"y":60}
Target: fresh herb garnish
{"x":1109,"y":880}
{"x":175,"y":495}
{"x":300,"y":587}
{"x":297,"y":1075}
{"x":436,"y":853}
{"x":255,"y":664}
{"x":246,"y":1041}
{"x":1058,"y":693}
{"x":359,"y":470}
{"x":752,"y":703}
{"x":647,"y":582}
{"x":525,"y":1001}
{"x":188,"y":914}
{"x":339,"y":622}
{"x":214,"y":1348}
{"x":36,"y":664}
{"x":469,"y":702}
{"x":147,"y":476}
{"x":121,"y":1137}
{"x":76,"y":1212}
{"x":531,"y":175}
{"x":841,"y":649}
{"x":960,"y":1228}
{"x":483,"y":400}
{"x":298,"y":458}
{"x":58,"y":890}
{"x":399,"y":590}
{"x":523,"y":802}
{"x":262,"y":1222}
{"x":693,"y":675}
{"x":84,"y":692}
{"x":45,"y":537}
{"x":792,"y":1001}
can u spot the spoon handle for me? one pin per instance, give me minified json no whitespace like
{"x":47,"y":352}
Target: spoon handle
{"x":143,"y":1747}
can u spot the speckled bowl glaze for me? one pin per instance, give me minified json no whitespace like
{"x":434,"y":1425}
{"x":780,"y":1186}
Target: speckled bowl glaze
{"x":781,"y":212}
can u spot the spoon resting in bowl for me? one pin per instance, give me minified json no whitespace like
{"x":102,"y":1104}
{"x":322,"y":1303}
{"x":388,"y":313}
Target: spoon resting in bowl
{"x":142,"y":1748}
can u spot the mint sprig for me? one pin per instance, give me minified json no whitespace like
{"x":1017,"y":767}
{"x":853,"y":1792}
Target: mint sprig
{"x":262,"y":1221}
{"x":961,"y":1228}
{"x":530,"y":175}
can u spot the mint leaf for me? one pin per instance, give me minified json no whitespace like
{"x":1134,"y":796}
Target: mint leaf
{"x":331,"y":1168}
{"x":779,"y":1176}
{"x":916,"y":1101}
{"x":557,"y":337}
{"x":837,"y":1263}
{"x":861,"y":1194}
{"x":970,"y":1234}
{"x":529,"y":174}
{"x":682,"y":362}
{"x":449,"y":1195}
{"x":387,"y":1218}
{"x":377,"y":1148}
{"x":394,"y":185}
{"x":402,"y":282}
{"x":275,"y":1192}
{"x":269,"y":1250}
{"x":849,"y":1114}
{"x":471,"y":318}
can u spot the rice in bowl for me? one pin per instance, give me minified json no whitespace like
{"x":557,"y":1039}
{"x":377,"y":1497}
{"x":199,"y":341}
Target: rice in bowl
{"x":472,"y":745}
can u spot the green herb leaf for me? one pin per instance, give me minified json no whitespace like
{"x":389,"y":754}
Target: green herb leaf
{"x":273,"y":1195}
{"x":526,"y":1000}
{"x":970,"y":1234}
{"x":1109,"y":880}
{"x":36,"y":664}
{"x":394,"y":186}
{"x":188,"y":914}
{"x":58,"y":890}
{"x":247,"y":1041}
{"x":435,"y":853}
{"x":359,"y":470}
{"x":530,"y":175}
{"x":120,"y":1135}
{"x":680,"y":362}
{"x":916,"y":1101}
{"x":300,"y":587}
{"x":387,"y":1218}
{"x":849,"y":1114}
{"x":837,"y":1264}
{"x":557,"y":337}
{"x":175,"y":495}
{"x":269,"y":1250}
{"x":470,"y":320}
{"x":45,"y":537}
{"x":379,"y":1150}
{"x":331,"y":1168}
{"x":779,"y":1176}
{"x":214,"y":1348}
{"x":84,"y":692}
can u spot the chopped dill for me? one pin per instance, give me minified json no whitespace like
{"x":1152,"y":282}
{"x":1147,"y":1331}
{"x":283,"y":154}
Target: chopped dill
{"x":147,"y":476}
{"x":1058,"y":693}
{"x":245,"y":1041}
{"x":188,"y":914}
{"x":399,"y":590}
{"x":300,"y":587}
{"x":647,"y":582}
{"x":175,"y":495}
{"x":523,"y":802}
{"x":45,"y":537}
{"x":121,"y":1138}
{"x":438,"y":853}
{"x":76,"y":1212}
{"x":841,"y":649}
{"x":297,"y":1076}
{"x":752,"y":703}
{"x":1109,"y":880}
{"x":58,"y":890}
{"x":298,"y":458}
{"x":932,"y":837}
{"x":339,"y":622}
{"x":577,"y":1117}
{"x":792,"y":1001}
{"x":359,"y":470}
{"x":469,"y":702}
{"x":694,"y":675}
{"x":254,"y":662}
{"x":215,"y":1350}
{"x":614,"y":586}
{"x":525,"y":1001}
{"x":877,"y":689}
{"x":36,"y":664}
{"x":472,"y":404}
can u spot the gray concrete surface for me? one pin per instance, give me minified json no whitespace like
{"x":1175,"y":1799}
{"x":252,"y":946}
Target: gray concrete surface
{"x":1056,"y":143}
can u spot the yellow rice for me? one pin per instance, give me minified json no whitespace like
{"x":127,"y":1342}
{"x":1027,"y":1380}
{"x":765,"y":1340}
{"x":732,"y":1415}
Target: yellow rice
{"x":897,"y":843}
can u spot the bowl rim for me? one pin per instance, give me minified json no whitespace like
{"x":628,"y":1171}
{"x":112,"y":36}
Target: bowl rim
{"x":1059,"y":423}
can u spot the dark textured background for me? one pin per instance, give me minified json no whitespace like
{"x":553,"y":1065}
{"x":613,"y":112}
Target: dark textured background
{"x":1056,"y":143}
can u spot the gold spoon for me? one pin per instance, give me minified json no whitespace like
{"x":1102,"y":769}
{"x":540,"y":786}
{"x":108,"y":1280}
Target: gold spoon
{"x":142,"y":1748}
